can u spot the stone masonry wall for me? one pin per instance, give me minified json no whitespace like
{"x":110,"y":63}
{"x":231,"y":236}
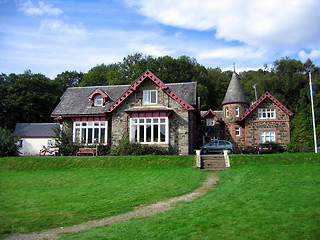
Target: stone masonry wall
{"x":254,"y":125}
{"x":178,"y":119}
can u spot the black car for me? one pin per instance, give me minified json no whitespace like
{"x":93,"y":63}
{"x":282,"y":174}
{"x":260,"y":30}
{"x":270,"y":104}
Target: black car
{"x":264,"y":148}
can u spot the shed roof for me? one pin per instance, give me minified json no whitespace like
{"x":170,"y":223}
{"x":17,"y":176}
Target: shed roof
{"x":35,"y":129}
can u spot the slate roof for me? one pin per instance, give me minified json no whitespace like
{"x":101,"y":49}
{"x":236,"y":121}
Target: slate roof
{"x":235,"y":93}
{"x":35,"y":129}
{"x":219,"y":114}
{"x":75,"y":100}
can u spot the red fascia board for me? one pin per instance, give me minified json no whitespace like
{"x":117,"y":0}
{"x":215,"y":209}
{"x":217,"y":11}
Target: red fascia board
{"x":257,"y":103}
{"x":150,"y":75}
{"x":210,"y":112}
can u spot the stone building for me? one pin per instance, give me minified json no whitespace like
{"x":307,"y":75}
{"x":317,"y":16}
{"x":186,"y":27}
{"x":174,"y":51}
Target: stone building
{"x":266,"y":120}
{"x":149,"y":111}
{"x":167,"y":115}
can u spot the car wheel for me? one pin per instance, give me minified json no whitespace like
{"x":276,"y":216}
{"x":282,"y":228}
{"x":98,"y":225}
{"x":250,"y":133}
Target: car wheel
{"x":229,"y":151}
{"x":204,"y":151}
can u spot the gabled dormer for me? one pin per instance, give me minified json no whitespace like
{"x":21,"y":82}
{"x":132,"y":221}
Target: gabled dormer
{"x":98,"y":98}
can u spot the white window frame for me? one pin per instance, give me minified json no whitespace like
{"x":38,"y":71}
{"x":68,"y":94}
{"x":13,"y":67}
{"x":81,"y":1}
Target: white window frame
{"x":82,"y":130}
{"x":267,"y":136}
{"x":98,"y":100}
{"x":227,"y":112}
{"x":210,"y":122}
{"x":150,"y":97}
{"x":237,"y":131}
{"x":266,"y":113}
{"x":141,"y":127}
{"x":237,"y":111}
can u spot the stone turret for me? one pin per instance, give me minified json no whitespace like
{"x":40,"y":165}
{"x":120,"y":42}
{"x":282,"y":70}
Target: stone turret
{"x":235,"y":102}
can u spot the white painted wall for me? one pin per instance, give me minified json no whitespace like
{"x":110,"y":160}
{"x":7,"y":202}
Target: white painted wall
{"x":32,"y":146}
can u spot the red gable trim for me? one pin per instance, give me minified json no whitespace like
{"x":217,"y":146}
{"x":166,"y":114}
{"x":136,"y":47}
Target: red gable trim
{"x":150,"y":75}
{"x":257,"y":103}
{"x":210,"y":112}
{"x":148,"y":113}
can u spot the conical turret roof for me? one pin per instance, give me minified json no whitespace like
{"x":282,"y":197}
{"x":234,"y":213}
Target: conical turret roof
{"x":235,"y":93}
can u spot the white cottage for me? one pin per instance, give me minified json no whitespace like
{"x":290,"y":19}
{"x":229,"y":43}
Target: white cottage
{"x":33,"y":136}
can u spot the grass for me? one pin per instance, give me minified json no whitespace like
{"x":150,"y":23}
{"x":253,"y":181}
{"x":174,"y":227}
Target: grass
{"x":38,"y":193}
{"x":260,"y":197}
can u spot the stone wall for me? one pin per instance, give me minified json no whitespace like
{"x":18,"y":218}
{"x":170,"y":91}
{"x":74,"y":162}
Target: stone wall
{"x":254,"y":125}
{"x":179,"y":129}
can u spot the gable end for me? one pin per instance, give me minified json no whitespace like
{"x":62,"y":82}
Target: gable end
{"x":257,"y":103}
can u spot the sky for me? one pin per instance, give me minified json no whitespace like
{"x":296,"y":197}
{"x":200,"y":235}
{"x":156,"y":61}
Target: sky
{"x":53,"y":36}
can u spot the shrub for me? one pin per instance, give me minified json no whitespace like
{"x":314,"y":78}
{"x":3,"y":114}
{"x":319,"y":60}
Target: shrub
{"x":276,"y":147}
{"x":8,"y":143}
{"x":299,"y":147}
{"x":126,"y":147}
{"x":63,"y":140}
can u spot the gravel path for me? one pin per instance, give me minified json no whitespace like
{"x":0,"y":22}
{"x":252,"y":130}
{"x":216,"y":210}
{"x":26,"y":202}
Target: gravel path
{"x":137,"y":213}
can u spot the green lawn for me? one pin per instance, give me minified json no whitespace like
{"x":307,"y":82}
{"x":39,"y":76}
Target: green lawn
{"x":273,"y":196}
{"x":41,"y":193}
{"x":257,"y":199}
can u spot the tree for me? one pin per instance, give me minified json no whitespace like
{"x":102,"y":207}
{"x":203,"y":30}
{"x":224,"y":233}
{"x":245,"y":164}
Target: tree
{"x":8,"y":146}
{"x":28,"y":98}
{"x":67,"y":79}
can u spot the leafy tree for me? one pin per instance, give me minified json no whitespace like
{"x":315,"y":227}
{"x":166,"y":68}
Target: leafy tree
{"x":67,"y":79}
{"x":29,"y":98}
{"x":8,"y":146}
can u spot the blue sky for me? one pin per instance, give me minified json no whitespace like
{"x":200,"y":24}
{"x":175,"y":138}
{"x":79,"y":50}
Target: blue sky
{"x":53,"y":36}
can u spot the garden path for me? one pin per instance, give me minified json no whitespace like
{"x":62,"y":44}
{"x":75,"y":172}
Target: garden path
{"x":140,"y":212}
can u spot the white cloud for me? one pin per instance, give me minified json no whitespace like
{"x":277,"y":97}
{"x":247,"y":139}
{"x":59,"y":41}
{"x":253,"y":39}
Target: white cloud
{"x":232,"y":53}
{"x":313,"y":54}
{"x":57,"y":26}
{"x":41,"y":9}
{"x":255,"y":22}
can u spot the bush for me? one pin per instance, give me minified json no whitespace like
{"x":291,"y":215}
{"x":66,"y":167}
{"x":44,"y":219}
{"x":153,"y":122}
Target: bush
{"x":8,"y":143}
{"x":299,"y":147}
{"x":276,"y":147}
{"x":63,"y":140}
{"x":125,"y":148}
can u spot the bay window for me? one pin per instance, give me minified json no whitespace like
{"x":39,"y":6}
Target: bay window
{"x":149,"y":130}
{"x":90,"y":132}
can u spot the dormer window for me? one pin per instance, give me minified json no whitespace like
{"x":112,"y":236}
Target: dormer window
{"x":98,"y":100}
{"x":210,"y":122}
{"x":150,"y":97}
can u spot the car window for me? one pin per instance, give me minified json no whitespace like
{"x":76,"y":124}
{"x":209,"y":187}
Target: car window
{"x":221,"y":143}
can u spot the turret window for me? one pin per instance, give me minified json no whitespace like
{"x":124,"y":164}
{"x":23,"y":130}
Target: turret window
{"x":237,"y":111}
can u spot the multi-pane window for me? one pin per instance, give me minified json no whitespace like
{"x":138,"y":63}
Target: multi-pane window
{"x":149,"y":130}
{"x":227,"y":112}
{"x":265,"y":113}
{"x":150,"y":97}
{"x":210,"y":121}
{"x":98,"y":100}
{"x":89,"y":132}
{"x":237,"y":111}
{"x":237,"y":131}
{"x":267,"y":136}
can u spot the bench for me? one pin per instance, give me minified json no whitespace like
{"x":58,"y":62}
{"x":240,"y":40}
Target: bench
{"x":49,"y":152}
{"x":92,"y":151}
